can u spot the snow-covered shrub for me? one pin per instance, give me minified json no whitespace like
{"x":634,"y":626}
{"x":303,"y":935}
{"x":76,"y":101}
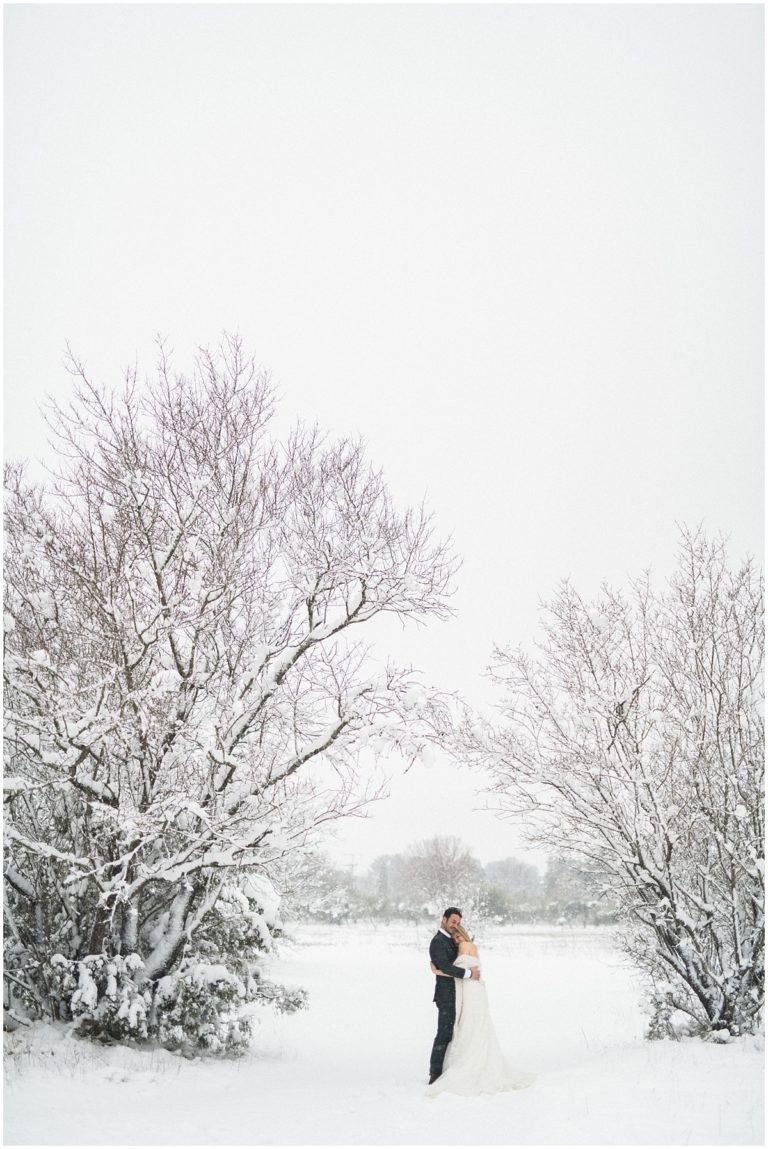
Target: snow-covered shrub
{"x":660,"y":1011}
{"x":207,"y":1004}
{"x":102,"y":995}
{"x":236,"y":931}
{"x":203,"y":1006}
{"x":199,"y":1008}
{"x":283,"y":998}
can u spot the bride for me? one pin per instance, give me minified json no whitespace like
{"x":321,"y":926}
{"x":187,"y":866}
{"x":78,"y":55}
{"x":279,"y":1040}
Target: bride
{"x":474,"y":1062}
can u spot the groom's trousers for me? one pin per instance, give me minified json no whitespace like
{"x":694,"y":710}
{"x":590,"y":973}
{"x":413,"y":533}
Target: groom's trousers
{"x":446,"y":1019}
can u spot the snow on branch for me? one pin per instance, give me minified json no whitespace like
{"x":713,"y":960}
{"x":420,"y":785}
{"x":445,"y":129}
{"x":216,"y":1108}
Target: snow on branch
{"x":634,"y":738}
{"x":186,"y":692}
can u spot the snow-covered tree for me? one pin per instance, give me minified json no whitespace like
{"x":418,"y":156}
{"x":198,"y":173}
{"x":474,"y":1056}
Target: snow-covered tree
{"x":313,"y":888}
{"x":387,"y":881}
{"x":575,"y":894}
{"x":634,"y":742}
{"x":518,"y":879}
{"x":186,"y":697}
{"x":442,"y":871}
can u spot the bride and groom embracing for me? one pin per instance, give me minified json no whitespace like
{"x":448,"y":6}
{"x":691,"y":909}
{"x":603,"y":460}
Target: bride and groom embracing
{"x":466,"y":1057}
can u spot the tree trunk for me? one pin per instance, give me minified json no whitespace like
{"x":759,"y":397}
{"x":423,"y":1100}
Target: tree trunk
{"x":163,"y":956}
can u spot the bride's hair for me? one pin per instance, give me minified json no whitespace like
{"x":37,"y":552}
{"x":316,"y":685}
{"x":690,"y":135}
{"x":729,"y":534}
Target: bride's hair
{"x":463,"y":933}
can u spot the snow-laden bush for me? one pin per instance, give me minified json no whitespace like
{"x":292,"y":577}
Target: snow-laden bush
{"x":206,"y":1005}
{"x":203,"y":1008}
{"x":199,"y":1007}
{"x":102,"y":995}
{"x":660,"y":1010}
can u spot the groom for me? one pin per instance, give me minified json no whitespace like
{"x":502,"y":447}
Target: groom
{"x":442,"y":953}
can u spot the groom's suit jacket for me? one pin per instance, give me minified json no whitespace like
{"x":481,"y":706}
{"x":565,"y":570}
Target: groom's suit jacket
{"x":442,"y":953}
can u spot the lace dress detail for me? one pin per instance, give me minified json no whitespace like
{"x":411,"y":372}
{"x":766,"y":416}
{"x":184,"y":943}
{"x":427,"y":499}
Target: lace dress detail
{"x":474,"y":1062}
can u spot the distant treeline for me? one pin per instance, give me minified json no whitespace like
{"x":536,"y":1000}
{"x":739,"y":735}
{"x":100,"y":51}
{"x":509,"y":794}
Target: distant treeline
{"x":417,"y":884}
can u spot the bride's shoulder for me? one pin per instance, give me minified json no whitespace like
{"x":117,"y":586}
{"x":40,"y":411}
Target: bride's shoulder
{"x":468,"y":949}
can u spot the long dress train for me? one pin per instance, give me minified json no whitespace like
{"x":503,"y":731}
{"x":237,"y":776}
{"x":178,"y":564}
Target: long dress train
{"x":474,"y":1062}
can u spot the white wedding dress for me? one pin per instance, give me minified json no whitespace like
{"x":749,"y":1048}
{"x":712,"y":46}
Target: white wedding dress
{"x":474,"y":1062}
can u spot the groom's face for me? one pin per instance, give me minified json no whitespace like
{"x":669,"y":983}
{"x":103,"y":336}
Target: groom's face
{"x":450,"y":924}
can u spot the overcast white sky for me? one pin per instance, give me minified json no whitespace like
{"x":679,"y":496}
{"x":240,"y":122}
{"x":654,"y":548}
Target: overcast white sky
{"x":517,"y":248}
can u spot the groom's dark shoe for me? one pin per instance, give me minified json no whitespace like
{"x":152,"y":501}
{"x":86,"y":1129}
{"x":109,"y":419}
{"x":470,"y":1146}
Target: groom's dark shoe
{"x":433,"y":1078}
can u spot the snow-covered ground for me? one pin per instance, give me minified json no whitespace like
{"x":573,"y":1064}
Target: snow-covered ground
{"x":351,"y":1070}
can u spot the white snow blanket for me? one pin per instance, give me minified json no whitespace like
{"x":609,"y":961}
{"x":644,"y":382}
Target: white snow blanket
{"x":351,"y":1070}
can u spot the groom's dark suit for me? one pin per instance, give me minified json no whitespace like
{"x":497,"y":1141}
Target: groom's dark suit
{"x":442,"y":953}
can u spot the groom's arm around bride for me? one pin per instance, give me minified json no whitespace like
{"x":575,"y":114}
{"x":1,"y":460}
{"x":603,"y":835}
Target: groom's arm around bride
{"x":442,"y":953}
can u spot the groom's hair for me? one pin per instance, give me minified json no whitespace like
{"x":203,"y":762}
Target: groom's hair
{"x":452,"y":910}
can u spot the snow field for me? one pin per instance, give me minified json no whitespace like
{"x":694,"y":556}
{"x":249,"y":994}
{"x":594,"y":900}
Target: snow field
{"x":351,"y":1070}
